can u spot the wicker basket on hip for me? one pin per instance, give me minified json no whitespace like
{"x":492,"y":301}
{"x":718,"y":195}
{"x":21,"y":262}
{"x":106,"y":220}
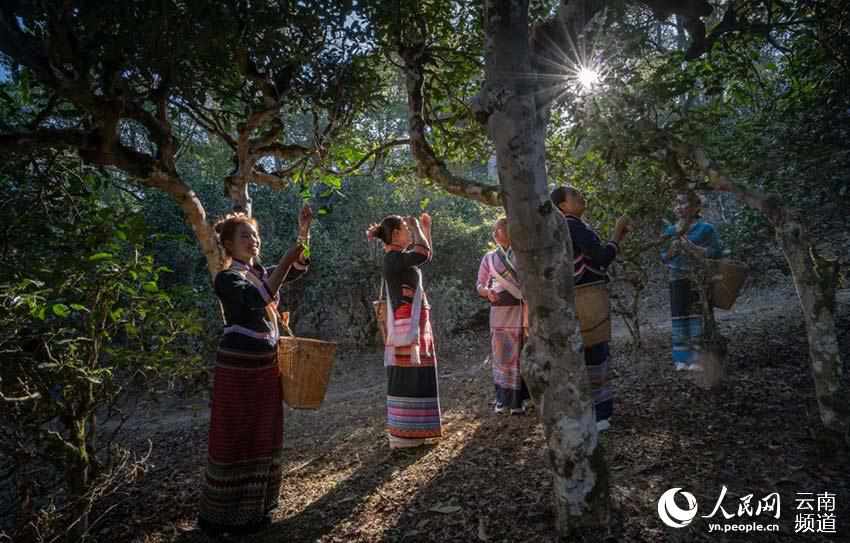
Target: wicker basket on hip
{"x":305,"y":369}
{"x":727,"y":278}
{"x":594,"y":313}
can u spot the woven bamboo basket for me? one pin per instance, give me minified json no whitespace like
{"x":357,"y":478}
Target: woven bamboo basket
{"x":305,"y":369}
{"x":727,"y":278}
{"x":594,"y":313}
{"x":380,"y":308}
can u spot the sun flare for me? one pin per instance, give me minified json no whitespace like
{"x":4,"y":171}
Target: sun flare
{"x":588,"y":77}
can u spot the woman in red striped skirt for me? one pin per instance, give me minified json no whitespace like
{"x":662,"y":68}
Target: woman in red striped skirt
{"x":243,"y":475}
{"x":413,"y":401}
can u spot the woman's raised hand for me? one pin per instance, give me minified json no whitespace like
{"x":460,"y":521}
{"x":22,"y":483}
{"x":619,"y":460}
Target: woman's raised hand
{"x":292,"y":255}
{"x":370,"y":231}
{"x":621,"y":228}
{"x":425,"y":220}
{"x":305,"y":217}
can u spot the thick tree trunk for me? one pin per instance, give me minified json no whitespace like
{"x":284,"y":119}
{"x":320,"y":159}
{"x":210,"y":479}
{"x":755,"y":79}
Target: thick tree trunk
{"x":237,"y":191}
{"x":552,"y":367}
{"x":815,"y":279}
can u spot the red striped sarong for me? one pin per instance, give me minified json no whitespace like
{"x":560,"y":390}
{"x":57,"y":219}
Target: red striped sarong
{"x":245,"y":448}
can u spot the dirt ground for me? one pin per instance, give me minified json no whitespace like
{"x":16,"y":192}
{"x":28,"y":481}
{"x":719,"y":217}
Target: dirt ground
{"x":486,"y":480}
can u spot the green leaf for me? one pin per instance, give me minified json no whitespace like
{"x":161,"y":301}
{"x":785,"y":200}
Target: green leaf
{"x":332,"y":181}
{"x":78,"y":307}
{"x":350,"y":154}
{"x":61,"y":310}
{"x":31,"y":282}
{"x":306,"y":252}
{"x":150,"y":286}
{"x":100,"y":256}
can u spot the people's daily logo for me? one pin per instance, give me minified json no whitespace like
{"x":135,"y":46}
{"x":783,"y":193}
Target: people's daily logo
{"x":816,"y":512}
{"x":671,"y":514}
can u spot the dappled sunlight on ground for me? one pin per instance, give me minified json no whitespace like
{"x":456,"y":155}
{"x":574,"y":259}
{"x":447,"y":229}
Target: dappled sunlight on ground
{"x":486,"y":479}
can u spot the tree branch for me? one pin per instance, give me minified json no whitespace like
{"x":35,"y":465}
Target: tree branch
{"x":46,"y":112}
{"x":193,"y":211}
{"x":281,"y":151}
{"x":273,"y":180}
{"x":690,"y":11}
{"x":210,"y":124}
{"x":25,"y":142}
{"x":89,"y":145}
{"x":145,"y":168}
{"x":374,"y":152}
{"x":428,"y":165}
{"x":20,"y":399}
{"x":769,"y":204}
{"x":235,"y":184}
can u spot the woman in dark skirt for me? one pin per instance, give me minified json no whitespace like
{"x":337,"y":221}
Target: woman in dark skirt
{"x":243,"y":475}
{"x":592,"y":256}
{"x":413,"y":402}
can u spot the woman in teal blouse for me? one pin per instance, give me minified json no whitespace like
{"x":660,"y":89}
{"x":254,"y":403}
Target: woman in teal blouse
{"x":690,"y":238}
